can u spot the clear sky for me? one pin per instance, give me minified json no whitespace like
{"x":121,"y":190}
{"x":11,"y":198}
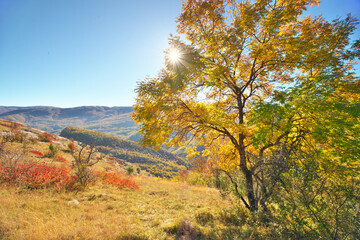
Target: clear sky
{"x":68,"y":53}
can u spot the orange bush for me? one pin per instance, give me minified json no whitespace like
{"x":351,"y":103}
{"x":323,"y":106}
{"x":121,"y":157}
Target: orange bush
{"x":116,"y":180}
{"x":72,"y":147}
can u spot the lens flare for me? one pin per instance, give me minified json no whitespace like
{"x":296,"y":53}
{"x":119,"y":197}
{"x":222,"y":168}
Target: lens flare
{"x":174,"y":55}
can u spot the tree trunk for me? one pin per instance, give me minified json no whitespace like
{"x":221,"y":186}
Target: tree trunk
{"x":247,"y":174}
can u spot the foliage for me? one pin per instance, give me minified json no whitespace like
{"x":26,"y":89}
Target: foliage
{"x":130,"y":170}
{"x":116,"y":180}
{"x":15,"y":134}
{"x":53,"y":150}
{"x":46,"y":137}
{"x":315,"y":203}
{"x":11,"y":125}
{"x":36,"y":152}
{"x":318,"y":193}
{"x":61,"y":159}
{"x":36,"y":176}
{"x":72,"y":147}
{"x":239,"y":87}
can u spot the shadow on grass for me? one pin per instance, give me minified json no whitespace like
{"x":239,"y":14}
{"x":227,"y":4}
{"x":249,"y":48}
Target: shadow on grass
{"x":132,"y":237}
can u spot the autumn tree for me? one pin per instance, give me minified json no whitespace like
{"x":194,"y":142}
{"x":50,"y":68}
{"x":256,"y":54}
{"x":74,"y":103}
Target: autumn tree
{"x":240,"y":58}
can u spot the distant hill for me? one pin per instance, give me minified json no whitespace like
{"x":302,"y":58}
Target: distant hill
{"x":112,"y":120}
{"x":4,"y":109}
{"x":159,"y":163}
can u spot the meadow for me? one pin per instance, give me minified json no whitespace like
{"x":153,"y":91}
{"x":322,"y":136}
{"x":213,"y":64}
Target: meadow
{"x":40,"y":198}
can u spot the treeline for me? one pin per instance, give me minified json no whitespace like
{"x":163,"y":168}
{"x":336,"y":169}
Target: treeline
{"x":159,"y":163}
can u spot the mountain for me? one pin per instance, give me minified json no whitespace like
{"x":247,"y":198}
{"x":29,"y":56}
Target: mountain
{"x":112,"y":120}
{"x":159,"y":163}
{"x":4,"y":109}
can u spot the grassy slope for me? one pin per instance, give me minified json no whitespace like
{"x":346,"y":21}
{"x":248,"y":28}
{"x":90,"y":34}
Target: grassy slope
{"x":104,"y":212}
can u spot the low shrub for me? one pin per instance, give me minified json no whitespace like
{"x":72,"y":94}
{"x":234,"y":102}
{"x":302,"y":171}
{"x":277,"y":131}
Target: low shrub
{"x":53,"y":150}
{"x":116,"y":180}
{"x":72,"y":147}
{"x":36,"y":152}
{"x":130,"y":170}
{"x":61,"y":159}
{"x":46,"y":137}
{"x":37,"y":176}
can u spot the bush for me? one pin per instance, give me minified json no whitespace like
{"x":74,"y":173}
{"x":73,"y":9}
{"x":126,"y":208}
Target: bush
{"x":130,"y":170}
{"x":116,"y":180}
{"x":61,"y":159}
{"x":53,"y":151}
{"x":36,"y":152}
{"x":72,"y":147}
{"x":37,"y":176}
{"x":46,"y":137}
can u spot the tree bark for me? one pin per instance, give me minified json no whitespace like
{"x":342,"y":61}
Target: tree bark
{"x":247,"y":174}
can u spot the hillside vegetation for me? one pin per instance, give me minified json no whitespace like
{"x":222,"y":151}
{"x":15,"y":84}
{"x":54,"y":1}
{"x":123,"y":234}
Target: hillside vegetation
{"x":36,"y":205}
{"x":113,"y":120}
{"x":160,"y":163}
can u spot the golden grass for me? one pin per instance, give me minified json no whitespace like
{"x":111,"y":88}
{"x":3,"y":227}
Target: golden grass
{"x":104,"y":212}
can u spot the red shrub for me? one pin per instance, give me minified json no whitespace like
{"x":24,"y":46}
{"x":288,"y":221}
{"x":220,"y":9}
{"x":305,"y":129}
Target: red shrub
{"x":12,"y":125}
{"x":61,"y":159}
{"x":5,"y":125}
{"x":116,"y":180}
{"x":36,"y":153}
{"x":47,"y":137}
{"x":36,"y":176}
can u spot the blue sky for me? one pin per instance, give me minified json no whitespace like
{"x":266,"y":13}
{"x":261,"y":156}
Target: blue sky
{"x":68,"y":53}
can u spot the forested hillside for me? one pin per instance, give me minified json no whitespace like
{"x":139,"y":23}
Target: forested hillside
{"x":160,"y":163}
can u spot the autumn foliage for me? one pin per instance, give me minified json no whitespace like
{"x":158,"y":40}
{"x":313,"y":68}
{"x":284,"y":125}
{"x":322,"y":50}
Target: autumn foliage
{"x":72,"y":147}
{"x":36,"y":152}
{"x":61,"y":159}
{"x":12,"y":125}
{"x":47,"y":137}
{"x":116,"y":180}
{"x":37,"y":176}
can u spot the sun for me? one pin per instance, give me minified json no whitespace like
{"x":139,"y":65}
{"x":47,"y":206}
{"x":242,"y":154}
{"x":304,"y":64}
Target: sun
{"x":174,"y":55}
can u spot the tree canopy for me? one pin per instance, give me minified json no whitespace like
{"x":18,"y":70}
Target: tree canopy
{"x":263,"y":88}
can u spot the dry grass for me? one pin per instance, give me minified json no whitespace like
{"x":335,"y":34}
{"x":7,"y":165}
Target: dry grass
{"x":104,"y":212}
